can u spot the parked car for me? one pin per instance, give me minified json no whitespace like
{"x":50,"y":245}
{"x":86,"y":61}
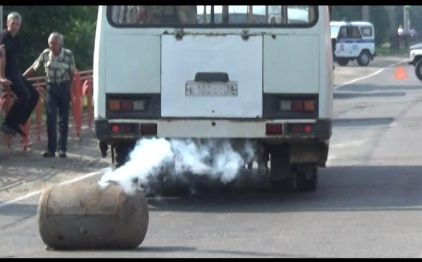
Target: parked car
{"x":416,"y":59}
{"x":353,"y":41}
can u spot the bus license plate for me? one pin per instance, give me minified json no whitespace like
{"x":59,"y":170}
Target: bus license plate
{"x":211,"y":89}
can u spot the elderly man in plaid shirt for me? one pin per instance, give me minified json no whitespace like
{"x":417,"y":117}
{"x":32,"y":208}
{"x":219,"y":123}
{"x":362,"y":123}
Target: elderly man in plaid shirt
{"x":59,"y":67}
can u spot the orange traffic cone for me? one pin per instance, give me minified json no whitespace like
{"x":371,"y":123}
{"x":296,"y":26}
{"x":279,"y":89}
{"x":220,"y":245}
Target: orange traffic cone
{"x":400,"y":73}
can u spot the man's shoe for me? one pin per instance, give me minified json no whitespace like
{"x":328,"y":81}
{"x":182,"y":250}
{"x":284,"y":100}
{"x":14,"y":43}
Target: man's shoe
{"x":8,"y":130}
{"x":62,"y":154}
{"x":48,"y":154}
{"x":19,"y":131}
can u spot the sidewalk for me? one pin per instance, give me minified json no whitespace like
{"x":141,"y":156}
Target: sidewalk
{"x":25,"y":171}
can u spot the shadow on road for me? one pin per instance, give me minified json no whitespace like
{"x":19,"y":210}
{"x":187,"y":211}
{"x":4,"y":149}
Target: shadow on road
{"x":371,"y":88}
{"x":344,"y":95}
{"x":341,"y":188}
{"x":140,"y":249}
{"x":369,"y":121}
{"x":378,"y":62}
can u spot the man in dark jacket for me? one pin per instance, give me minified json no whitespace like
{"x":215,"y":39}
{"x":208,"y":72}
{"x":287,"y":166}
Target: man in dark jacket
{"x":4,"y":82}
{"x":27,"y":96}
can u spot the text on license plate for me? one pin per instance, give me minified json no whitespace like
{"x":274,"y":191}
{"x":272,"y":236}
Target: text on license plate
{"x":211,"y":89}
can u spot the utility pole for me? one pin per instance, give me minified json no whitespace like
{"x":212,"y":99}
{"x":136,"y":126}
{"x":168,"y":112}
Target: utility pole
{"x":365,"y":12}
{"x":406,"y":19}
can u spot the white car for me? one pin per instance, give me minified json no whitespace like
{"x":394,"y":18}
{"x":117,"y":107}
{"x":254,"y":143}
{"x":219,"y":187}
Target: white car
{"x":416,"y":59}
{"x":353,"y":40}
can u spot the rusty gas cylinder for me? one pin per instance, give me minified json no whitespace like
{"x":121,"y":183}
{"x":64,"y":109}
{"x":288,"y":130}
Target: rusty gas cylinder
{"x":82,"y":216}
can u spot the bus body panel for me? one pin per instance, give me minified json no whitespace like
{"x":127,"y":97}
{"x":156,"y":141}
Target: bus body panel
{"x":183,"y":59}
{"x":99,"y":64}
{"x":131,"y":76}
{"x":294,"y":68}
{"x":326,"y":73}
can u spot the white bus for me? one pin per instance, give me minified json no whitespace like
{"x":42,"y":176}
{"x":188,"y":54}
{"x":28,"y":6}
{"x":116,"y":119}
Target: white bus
{"x":224,"y":72}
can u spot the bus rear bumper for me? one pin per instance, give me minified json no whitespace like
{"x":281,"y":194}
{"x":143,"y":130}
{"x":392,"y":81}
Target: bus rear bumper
{"x":105,"y":129}
{"x":309,"y":147}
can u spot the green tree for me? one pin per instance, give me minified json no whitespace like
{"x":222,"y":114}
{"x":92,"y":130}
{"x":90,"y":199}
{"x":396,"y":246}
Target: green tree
{"x":347,"y":13}
{"x":76,"y":23}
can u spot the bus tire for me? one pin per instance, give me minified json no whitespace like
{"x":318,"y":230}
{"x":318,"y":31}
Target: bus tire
{"x":364,"y":58}
{"x":342,"y":61}
{"x":120,"y":154}
{"x":418,"y":69}
{"x":281,"y":168}
{"x":306,"y":177}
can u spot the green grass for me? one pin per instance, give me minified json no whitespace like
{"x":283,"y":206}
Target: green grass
{"x":385,"y":50}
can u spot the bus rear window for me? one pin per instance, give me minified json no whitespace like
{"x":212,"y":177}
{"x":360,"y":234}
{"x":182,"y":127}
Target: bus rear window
{"x":215,"y":15}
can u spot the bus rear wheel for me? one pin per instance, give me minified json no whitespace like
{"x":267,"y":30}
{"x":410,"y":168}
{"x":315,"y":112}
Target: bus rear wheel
{"x":280,"y":168}
{"x":120,"y":153}
{"x":306,"y":177}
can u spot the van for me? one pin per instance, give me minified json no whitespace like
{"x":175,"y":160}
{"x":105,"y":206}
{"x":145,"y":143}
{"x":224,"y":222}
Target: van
{"x":353,"y":40}
{"x":228,"y":73}
{"x":416,"y":59}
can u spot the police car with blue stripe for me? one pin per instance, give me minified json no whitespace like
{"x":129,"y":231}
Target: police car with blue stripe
{"x":353,"y":40}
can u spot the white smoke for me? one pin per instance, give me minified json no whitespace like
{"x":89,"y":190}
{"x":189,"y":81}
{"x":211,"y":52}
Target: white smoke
{"x":217,"y":160}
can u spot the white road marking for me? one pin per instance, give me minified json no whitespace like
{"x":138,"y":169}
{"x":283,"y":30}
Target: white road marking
{"x":347,"y":144}
{"x":331,"y":157}
{"x":34,"y":193}
{"x":164,"y":214}
{"x":370,"y":75}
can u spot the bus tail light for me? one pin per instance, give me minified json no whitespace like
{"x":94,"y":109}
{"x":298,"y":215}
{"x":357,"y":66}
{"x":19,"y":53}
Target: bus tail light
{"x":297,"y":105}
{"x":114,"y":105}
{"x":139,"y":105}
{"x":124,"y":128}
{"x":149,"y":129}
{"x":274,"y":129}
{"x":127,"y":105}
{"x":300,"y":129}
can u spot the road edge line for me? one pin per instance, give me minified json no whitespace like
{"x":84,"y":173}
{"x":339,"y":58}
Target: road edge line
{"x":371,"y":75}
{"x":34,"y":193}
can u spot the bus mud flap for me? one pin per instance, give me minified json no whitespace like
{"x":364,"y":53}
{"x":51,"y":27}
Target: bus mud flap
{"x":280,"y":162}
